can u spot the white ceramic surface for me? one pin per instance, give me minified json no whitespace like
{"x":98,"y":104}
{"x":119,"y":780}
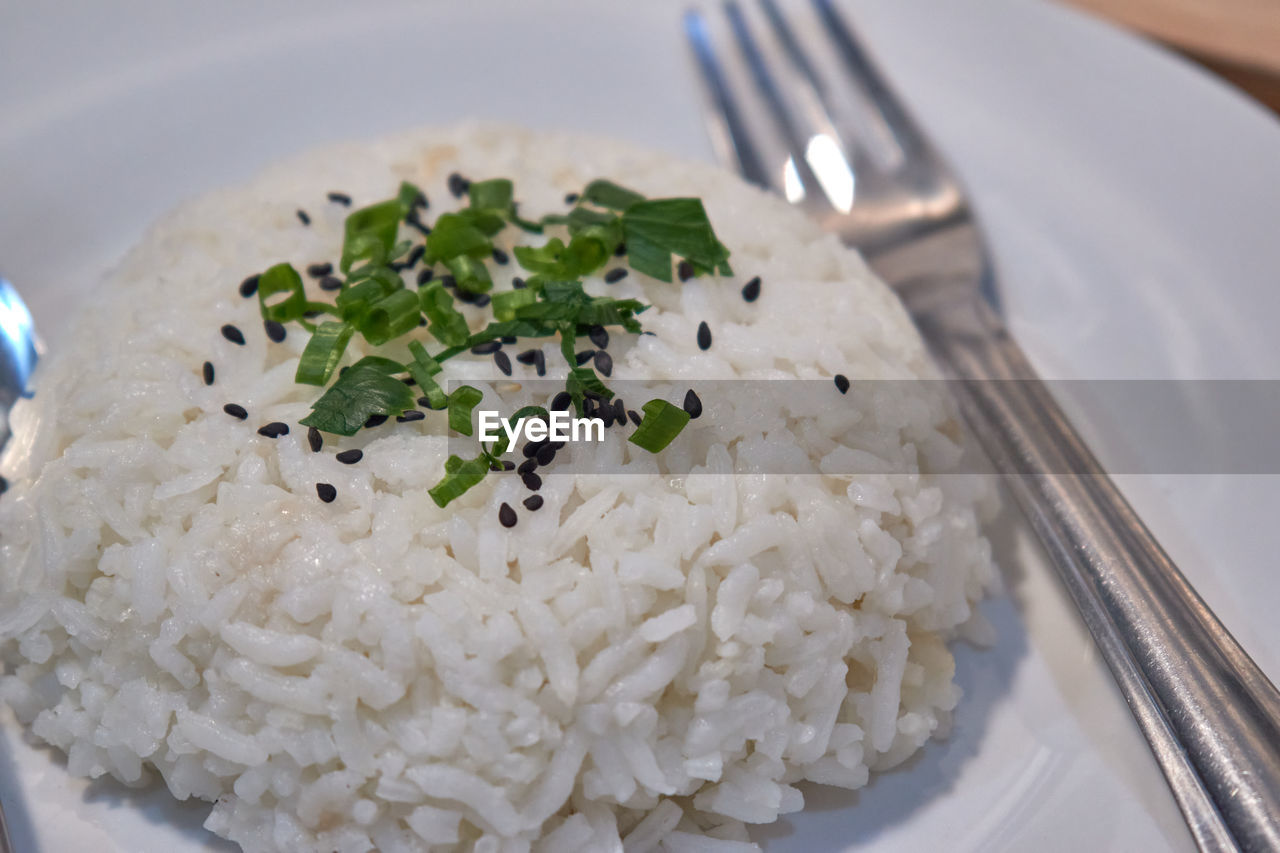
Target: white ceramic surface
{"x":1132,"y":205}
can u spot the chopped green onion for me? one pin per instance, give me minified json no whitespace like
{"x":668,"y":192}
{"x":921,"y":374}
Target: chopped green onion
{"x":409,"y":197}
{"x":454,"y":235}
{"x":368,"y":388}
{"x":495,"y":194}
{"x":323,"y":352}
{"x":370,"y":230}
{"x":610,"y":195}
{"x":281,"y":278}
{"x":459,"y":477}
{"x":447,"y":325}
{"x":423,"y":368}
{"x":461,"y":402}
{"x":391,"y":317}
{"x":470,"y":274}
{"x":661,"y":424}
{"x":506,"y":304}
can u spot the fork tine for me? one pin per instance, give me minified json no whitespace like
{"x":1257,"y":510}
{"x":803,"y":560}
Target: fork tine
{"x":863,"y":70}
{"x":729,"y":133}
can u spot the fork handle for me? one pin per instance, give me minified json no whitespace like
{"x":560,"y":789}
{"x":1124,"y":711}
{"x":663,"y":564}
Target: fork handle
{"x":1211,"y":715}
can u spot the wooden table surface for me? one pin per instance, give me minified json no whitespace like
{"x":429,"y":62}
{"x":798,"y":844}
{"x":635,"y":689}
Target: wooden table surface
{"x":1237,"y":39}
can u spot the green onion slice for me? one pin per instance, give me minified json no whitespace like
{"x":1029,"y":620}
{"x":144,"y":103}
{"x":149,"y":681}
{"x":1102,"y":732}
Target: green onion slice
{"x":391,"y":317}
{"x":461,"y":402}
{"x":661,"y":424}
{"x":447,"y":325}
{"x":459,"y":477}
{"x":281,"y":278}
{"x":322,"y":353}
{"x":423,"y":369}
{"x":507,"y":303}
{"x":610,"y":195}
{"x":370,"y":232}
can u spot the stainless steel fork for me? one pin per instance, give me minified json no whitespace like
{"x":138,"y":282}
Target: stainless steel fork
{"x":1210,"y":714}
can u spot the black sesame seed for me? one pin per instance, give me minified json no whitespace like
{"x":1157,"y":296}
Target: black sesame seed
{"x":275,"y":331}
{"x":326,"y":492}
{"x":528,"y":356}
{"x":584,"y":356}
{"x":411,"y":415}
{"x":506,"y":465}
{"x":415,"y":255}
{"x":340,"y":198}
{"x":546,"y":456}
{"x":207,"y":372}
{"x":508,"y":339}
{"x":588,"y":407}
{"x":303,"y":217}
{"x":342,"y":371}
{"x":423,"y":401}
{"x":233,"y":334}
{"x":635,"y":417}
{"x":235,"y":410}
{"x":527,"y":466}
{"x":315,"y":439}
{"x":571,"y":198}
{"x":458,"y":185}
{"x":486,"y":348}
{"x":375,"y":421}
{"x":684,"y":269}
{"x":619,"y":411}
{"x":599,"y":336}
{"x":615,"y":275}
{"x":249,"y":286}
{"x":606,"y":414}
{"x":518,"y":283}
{"x":692,"y":404}
{"x":604,"y":363}
{"x":540,"y":364}
{"x":319,"y":270}
{"x":503,"y":361}
{"x":842,"y":383}
{"x":275,"y":429}
{"x":620,"y":251}
{"x":331,"y":282}
{"x":530,"y":450}
{"x":312,"y":314}
{"x":561,"y":402}
{"x":4,"y":485}
{"x":532,"y":481}
{"x":507,"y":515}
{"x":533,"y":503}
{"x":425,"y":276}
{"x":751,"y":290}
{"x":350,"y":457}
{"x":704,"y":336}
{"x":413,"y":221}
{"x":499,"y":256}
{"x":448,"y":281}
{"x":482,"y":300}
{"x":408,"y":380}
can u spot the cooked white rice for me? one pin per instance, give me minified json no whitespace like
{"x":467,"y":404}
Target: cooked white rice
{"x":650,"y":662}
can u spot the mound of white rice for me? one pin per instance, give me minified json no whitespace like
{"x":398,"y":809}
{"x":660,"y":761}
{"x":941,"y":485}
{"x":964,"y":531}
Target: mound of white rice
{"x":649,"y":662}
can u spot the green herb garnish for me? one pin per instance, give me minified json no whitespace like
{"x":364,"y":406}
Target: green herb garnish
{"x":375,"y":303}
{"x":366,"y":389}
{"x":661,"y":424}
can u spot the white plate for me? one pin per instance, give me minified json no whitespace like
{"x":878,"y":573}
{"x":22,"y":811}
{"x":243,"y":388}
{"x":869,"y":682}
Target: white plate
{"x":1132,"y":206}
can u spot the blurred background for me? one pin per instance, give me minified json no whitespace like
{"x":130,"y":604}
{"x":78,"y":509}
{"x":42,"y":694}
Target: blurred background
{"x":1238,"y":40}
